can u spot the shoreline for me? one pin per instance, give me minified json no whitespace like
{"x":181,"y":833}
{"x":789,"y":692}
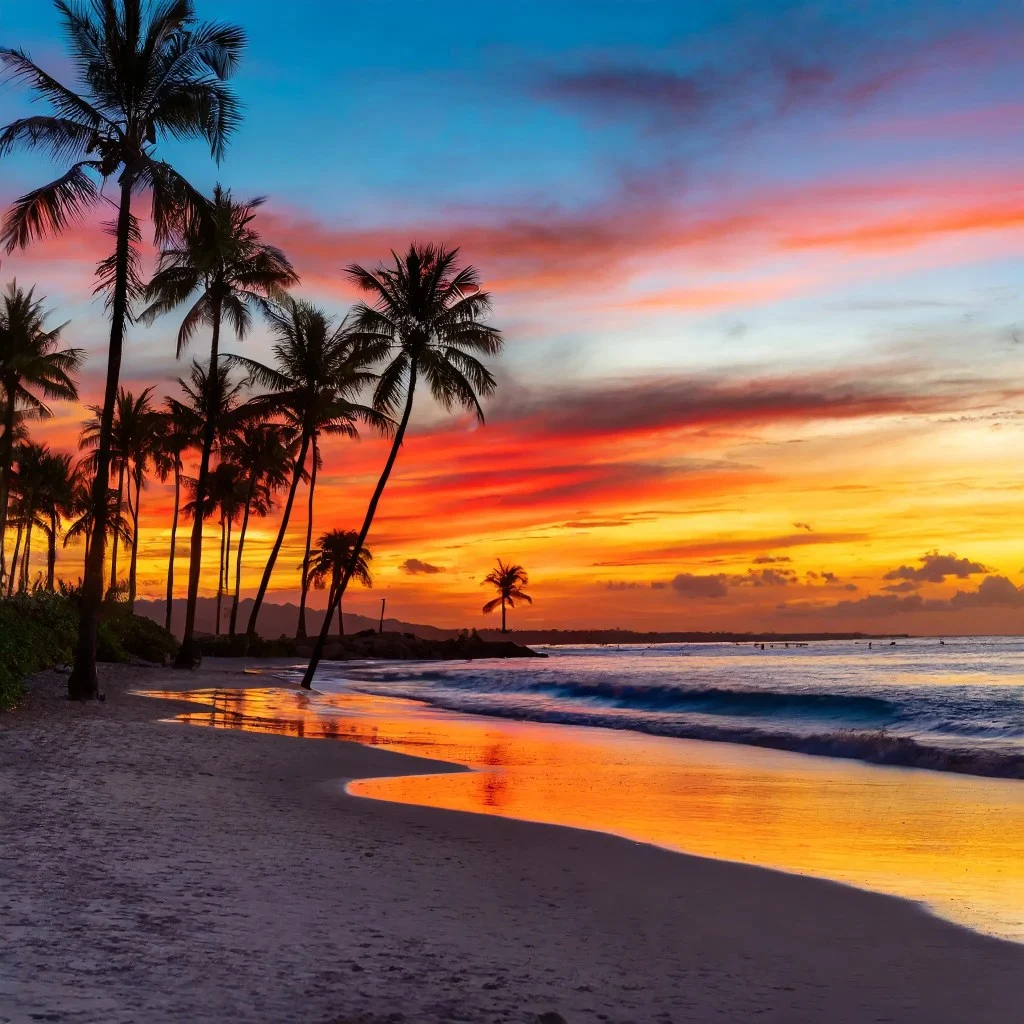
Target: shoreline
{"x":205,"y":875}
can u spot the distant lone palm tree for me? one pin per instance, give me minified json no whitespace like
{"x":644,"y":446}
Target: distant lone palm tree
{"x":426,"y":317}
{"x":32,"y":363}
{"x":149,"y":71}
{"x":219,"y":264}
{"x":508,"y":580}
{"x":333,"y":553}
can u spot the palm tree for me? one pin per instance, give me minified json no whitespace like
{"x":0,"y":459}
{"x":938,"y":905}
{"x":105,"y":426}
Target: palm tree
{"x":56,"y":498}
{"x":176,"y":438}
{"x":132,"y":437}
{"x":148,"y":71}
{"x":268,"y":451}
{"x":426,"y":314}
{"x":31,"y":360}
{"x":117,"y":525}
{"x":31,"y":480}
{"x":319,"y":371}
{"x":225,"y":497}
{"x":144,"y":442}
{"x":509,"y":581}
{"x":333,"y":553}
{"x":222,"y":262}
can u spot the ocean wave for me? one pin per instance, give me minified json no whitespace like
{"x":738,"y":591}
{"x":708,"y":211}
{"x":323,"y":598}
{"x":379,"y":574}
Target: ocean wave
{"x":876,"y":746}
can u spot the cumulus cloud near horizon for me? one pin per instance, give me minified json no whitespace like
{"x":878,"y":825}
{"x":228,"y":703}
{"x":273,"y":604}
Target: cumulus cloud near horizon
{"x":415,"y":567}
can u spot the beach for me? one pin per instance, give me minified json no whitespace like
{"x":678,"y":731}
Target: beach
{"x":162,"y":873}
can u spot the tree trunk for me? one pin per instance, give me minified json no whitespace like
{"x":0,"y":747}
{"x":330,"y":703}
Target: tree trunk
{"x":51,"y":553}
{"x":15,"y":564}
{"x":27,"y":560}
{"x":300,"y":632}
{"x":117,"y":520}
{"x":318,"y":649}
{"x":6,"y":458}
{"x":133,"y":568}
{"x":232,"y":624}
{"x":188,"y":653}
{"x":82,"y":683}
{"x":227,"y":563}
{"x":341,"y":621}
{"x":174,"y":540}
{"x":503,"y":613}
{"x":265,"y":582}
{"x":220,"y":580}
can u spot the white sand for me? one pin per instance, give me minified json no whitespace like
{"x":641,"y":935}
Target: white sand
{"x":156,"y":872}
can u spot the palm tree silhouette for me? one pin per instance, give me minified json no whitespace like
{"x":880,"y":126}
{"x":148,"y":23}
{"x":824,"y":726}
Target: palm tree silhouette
{"x":56,"y":501}
{"x":148,"y":71}
{"x":132,"y":437}
{"x":334,"y":551}
{"x":31,"y":361}
{"x":31,"y":479}
{"x":426,"y":315}
{"x":508,"y":580}
{"x":116,"y":524}
{"x":225,"y":497}
{"x":320,"y":370}
{"x":267,"y":450}
{"x":176,"y":437}
{"x":221,"y":261}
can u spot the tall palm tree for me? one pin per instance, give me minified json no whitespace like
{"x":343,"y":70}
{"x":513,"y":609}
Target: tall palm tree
{"x":333,"y":553}
{"x":221,"y":262}
{"x":320,"y":370}
{"x":31,"y":481}
{"x":426,"y":315}
{"x":509,"y":581}
{"x":144,"y":443}
{"x":225,"y":496}
{"x":56,"y":497}
{"x":117,"y":525}
{"x":148,"y":71}
{"x":31,"y":361}
{"x":176,"y":438}
{"x":267,"y":450}
{"x":132,"y":437}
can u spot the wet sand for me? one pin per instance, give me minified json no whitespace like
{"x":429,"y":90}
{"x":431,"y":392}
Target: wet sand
{"x":154,"y":872}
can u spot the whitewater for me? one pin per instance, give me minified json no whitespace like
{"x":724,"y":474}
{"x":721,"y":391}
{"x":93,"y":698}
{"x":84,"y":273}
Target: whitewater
{"x":956,"y":705}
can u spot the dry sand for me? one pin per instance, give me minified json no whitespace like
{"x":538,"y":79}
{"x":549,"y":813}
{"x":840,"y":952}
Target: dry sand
{"x":156,"y":872}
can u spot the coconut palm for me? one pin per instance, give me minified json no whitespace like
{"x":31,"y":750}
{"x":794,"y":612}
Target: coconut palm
{"x":32,"y":363}
{"x":331,"y":557}
{"x":144,"y":443}
{"x":176,"y":437}
{"x":509,"y":581}
{"x":117,"y":524}
{"x":425,"y":313}
{"x":225,"y":495}
{"x":132,"y":437}
{"x":320,"y":370}
{"x":56,"y":499}
{"x":31,"y":481}
{"x":267,"y":450}
{"x":220,"y":262}
{"x":148,"y":71}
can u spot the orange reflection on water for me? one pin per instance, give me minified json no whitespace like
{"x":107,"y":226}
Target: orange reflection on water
{"x":952,"y":841}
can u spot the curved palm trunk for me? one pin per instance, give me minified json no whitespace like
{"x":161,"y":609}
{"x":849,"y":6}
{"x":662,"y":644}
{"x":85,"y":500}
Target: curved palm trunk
{"x":27,"y":560}
{"x":170,"y":557}
{"x":220,"y":579}
{"x":265,"y":582}
{"x":233,"y":622}
{"x":188,"y":653}
{"x":318,"y":649}
{"x":51,"y":553}
{"x":6,"y":457}
{"x":82,"y":683}
{"x":133,"y":569}
{"x":117,"y":519}
{"x":15,"y":565}
{"x":300,"y":633}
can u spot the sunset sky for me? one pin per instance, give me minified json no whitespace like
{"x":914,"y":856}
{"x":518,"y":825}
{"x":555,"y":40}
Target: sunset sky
{"x":759,"y":269}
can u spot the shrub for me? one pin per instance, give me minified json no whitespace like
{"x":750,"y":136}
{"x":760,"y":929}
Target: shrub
{"x":36,"y":631}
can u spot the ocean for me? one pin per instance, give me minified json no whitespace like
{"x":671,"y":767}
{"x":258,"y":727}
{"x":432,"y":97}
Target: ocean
{"x":955,"y":705}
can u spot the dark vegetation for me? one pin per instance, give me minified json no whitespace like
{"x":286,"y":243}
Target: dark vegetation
{"x":39,"y":631}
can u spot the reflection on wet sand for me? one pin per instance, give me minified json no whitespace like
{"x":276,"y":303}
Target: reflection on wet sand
{"x":953,"y":842}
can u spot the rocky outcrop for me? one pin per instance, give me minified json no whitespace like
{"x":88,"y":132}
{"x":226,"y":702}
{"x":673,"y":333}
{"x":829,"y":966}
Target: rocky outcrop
{"x":409,"y":647}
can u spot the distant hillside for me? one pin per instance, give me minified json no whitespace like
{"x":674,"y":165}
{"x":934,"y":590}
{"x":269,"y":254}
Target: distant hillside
{"x":280,"y":620}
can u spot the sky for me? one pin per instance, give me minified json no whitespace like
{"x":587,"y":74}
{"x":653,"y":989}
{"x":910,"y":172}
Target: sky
{"x":758,"y":267}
